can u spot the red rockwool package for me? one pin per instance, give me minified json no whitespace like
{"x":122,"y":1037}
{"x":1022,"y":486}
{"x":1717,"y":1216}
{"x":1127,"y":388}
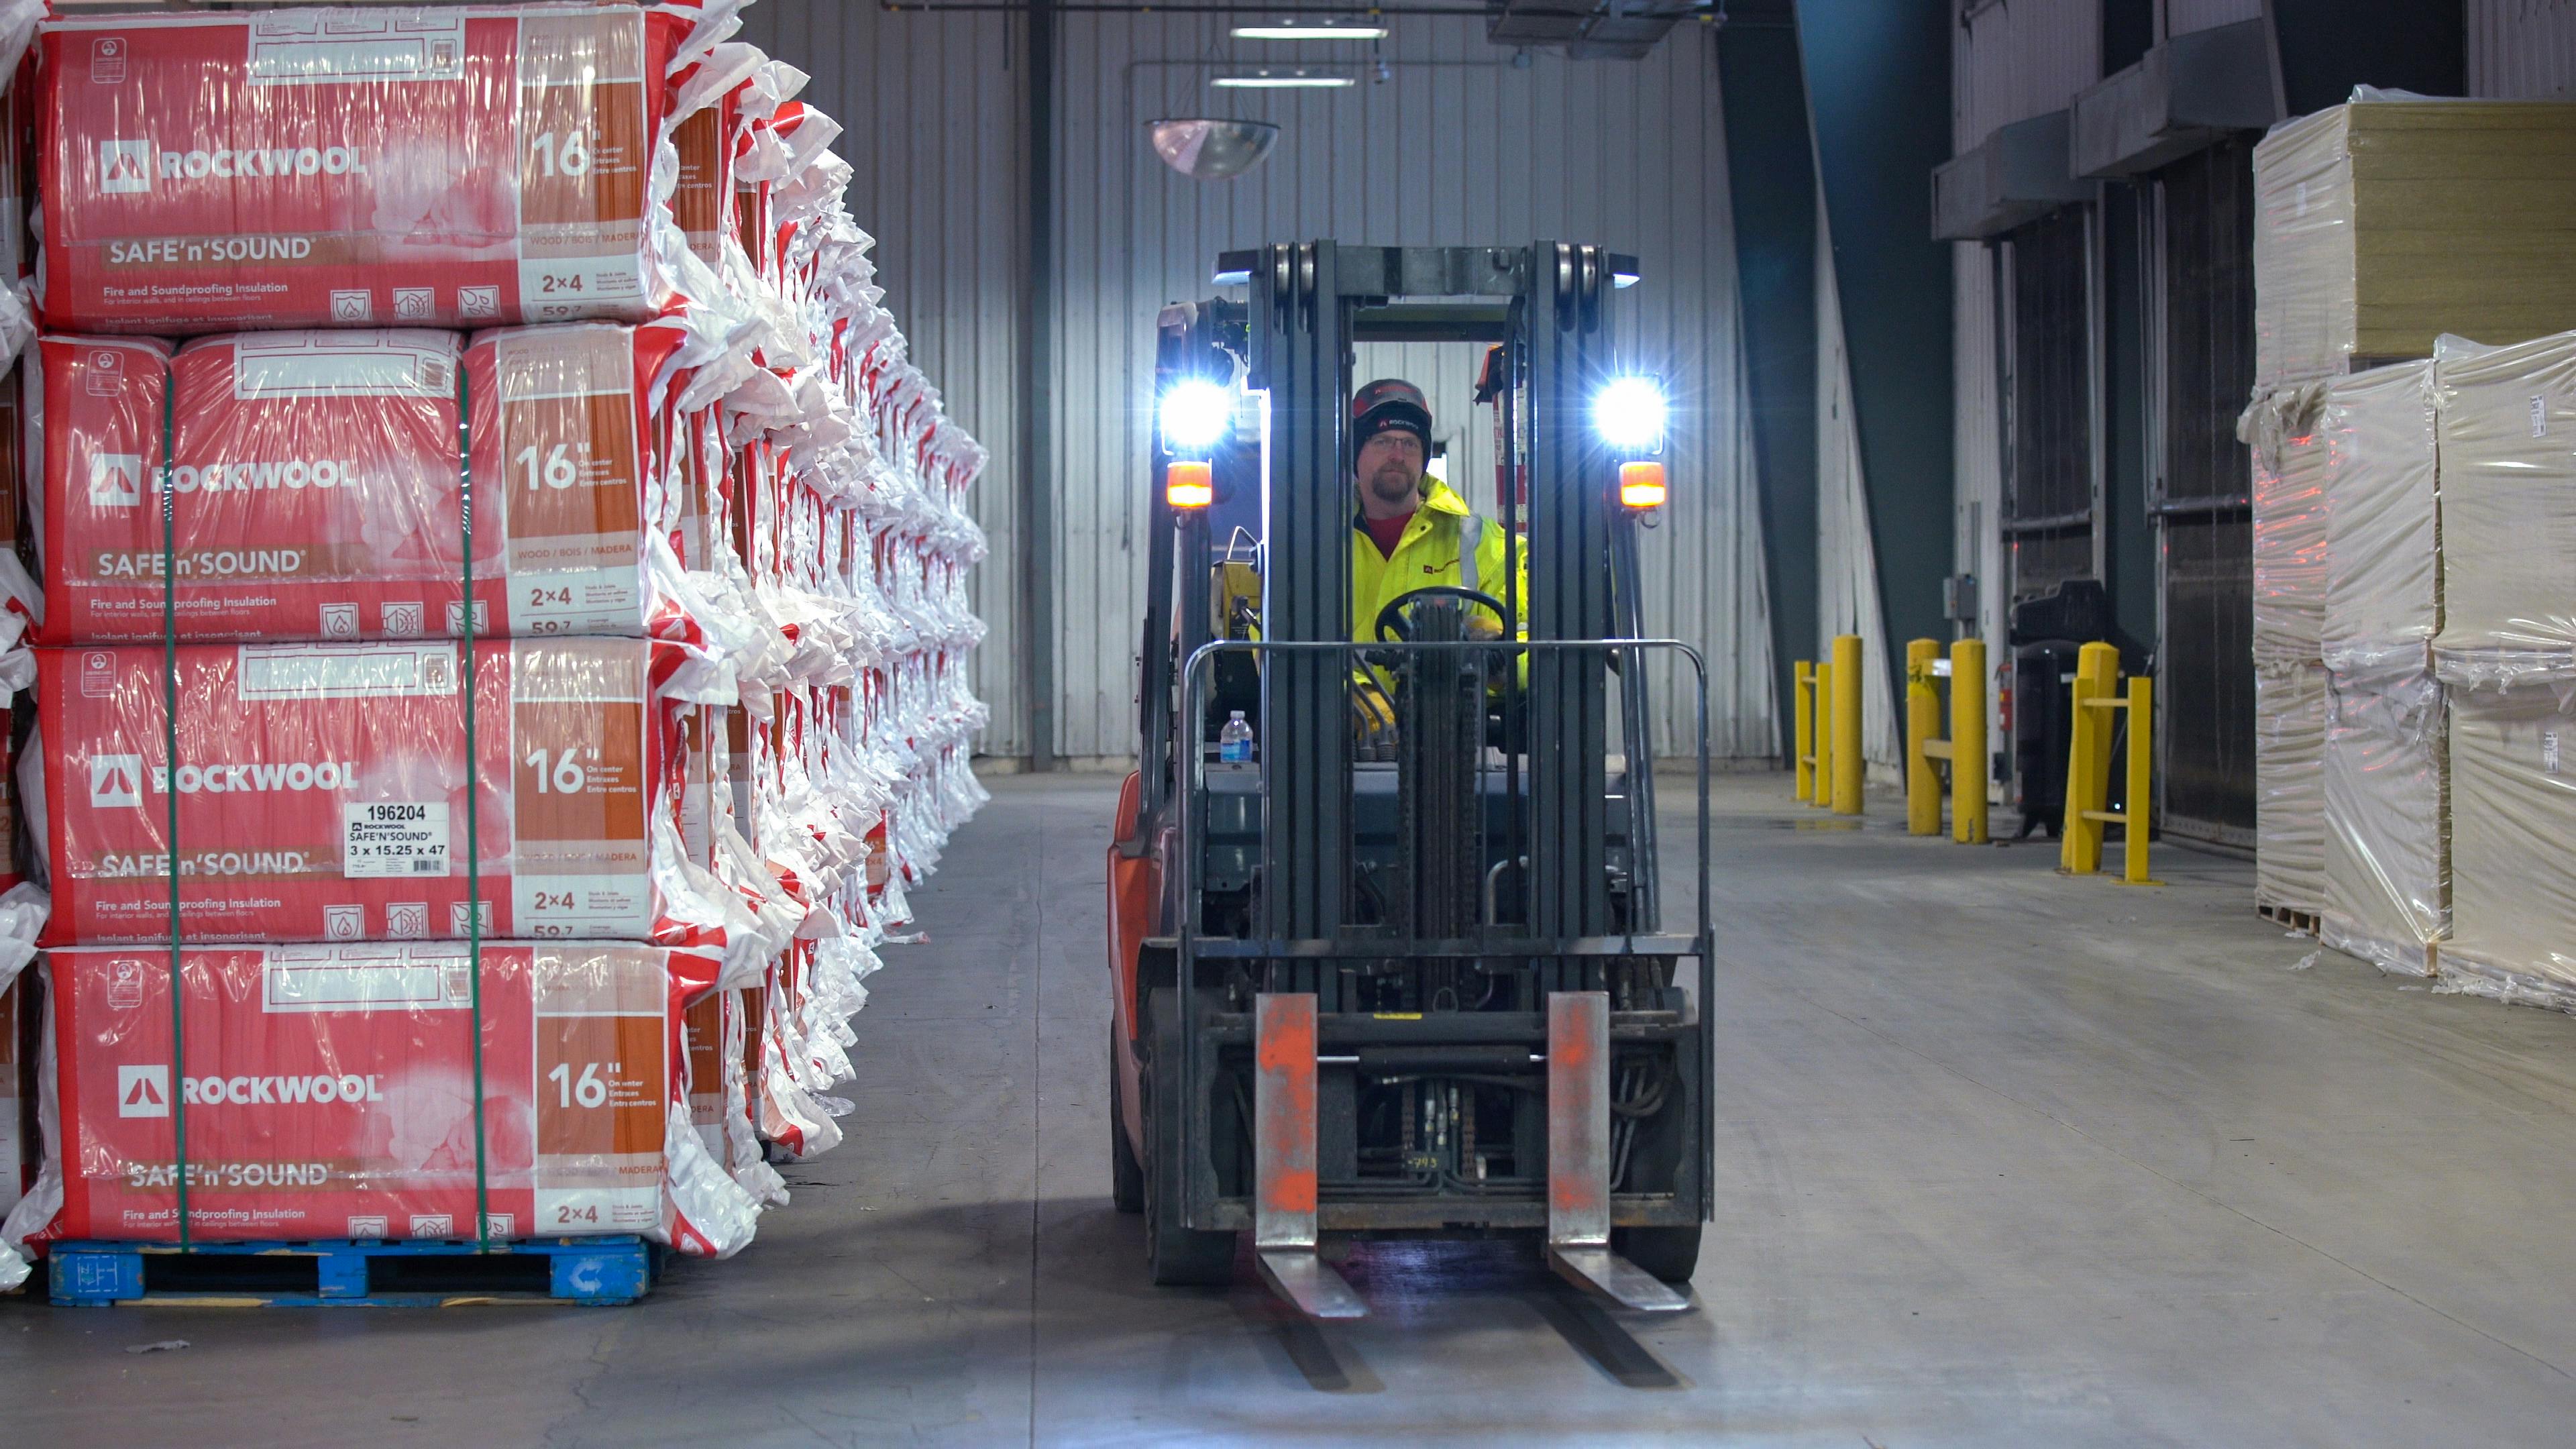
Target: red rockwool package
{"x":329,"y":1092}
{"x":322,"y":796}
{"x":365,"y":167}
{"x":318,"y":487}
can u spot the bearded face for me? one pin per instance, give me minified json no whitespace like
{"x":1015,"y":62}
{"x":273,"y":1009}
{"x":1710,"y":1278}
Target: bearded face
{"x":1390,"y":473}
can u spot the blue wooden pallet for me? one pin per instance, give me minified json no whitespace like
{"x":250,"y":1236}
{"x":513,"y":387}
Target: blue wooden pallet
{"x":357,"y":1273}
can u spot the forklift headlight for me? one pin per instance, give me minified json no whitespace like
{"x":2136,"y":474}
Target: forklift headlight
{"x":1195,"y":415}
{"x":1629,"y":414}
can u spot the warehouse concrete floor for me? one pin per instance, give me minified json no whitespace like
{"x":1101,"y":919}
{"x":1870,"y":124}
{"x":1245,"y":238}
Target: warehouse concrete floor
{"x":2006,"y":1158}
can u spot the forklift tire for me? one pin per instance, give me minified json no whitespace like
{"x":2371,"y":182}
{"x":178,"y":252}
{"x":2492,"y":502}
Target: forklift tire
{"x":1175,"y":1256}
{"x":1126,"y":1176}
{"x":1671,"y":1254}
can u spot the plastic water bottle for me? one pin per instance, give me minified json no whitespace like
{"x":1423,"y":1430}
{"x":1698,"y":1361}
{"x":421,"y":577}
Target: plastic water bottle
{"x":1234,"y":742}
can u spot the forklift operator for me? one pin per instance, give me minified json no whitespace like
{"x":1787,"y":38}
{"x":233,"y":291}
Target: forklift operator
{"x":1413,"y":531}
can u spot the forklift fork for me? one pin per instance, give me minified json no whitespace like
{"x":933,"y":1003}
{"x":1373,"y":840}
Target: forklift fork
{"x":1578,"y":1158}
{"x":1285,"y":1239}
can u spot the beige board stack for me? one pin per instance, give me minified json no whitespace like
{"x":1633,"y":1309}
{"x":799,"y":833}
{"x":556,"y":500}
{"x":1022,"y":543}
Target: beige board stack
{"x":2380,"y":225}
{"x":2386,"y":778}
{"x":2506,"y":656}
{"x":2289,"y":672}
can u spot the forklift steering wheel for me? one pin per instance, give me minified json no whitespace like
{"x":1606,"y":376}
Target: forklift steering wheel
{"x":1394,"y":627}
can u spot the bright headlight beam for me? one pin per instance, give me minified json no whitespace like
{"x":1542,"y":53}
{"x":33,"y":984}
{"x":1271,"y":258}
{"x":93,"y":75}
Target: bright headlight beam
{"x":1195,"y":414}
{"x":1629,"y":413}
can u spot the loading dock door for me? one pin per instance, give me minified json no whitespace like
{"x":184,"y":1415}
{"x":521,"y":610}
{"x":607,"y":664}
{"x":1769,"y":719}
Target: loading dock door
{"x":2203,"y":226}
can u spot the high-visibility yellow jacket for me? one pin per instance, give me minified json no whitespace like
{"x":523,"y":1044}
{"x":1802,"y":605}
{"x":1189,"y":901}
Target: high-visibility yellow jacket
{"x":1430,"y":552}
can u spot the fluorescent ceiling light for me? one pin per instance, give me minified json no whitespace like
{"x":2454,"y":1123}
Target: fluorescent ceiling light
{"x":1267,"y":82}
{"x":1310,"y":32}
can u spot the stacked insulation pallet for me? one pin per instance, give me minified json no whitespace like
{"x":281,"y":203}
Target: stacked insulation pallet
{"x":2380,"y":225}
{"x":2506,"y":658}
{"x":530,"y":713}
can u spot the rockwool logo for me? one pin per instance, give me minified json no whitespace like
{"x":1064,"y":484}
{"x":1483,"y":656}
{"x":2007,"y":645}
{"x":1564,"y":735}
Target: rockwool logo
{"x":115,"y":480}
{"x":263,"y":161}
{"x":279,"y":1091}
{"x":259,"y":776}
{"x":124,"y":166}
{"x":115,"y":780}
{"x":142,"y":1091}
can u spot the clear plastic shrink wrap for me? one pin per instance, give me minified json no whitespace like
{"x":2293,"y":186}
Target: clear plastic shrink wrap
{"x":2387,"y":814}
{"x":2383,"y":600}
{"x":2385,"y":222}
{"x":319,"y":484}
{"x":2283,"y":427}
{"x":2508,"y":438}
{"x":2387,"y":811}
{"x":2513,"y":830}
{"x":2289,"y":786}
{"x":455,"y":167}
{"x":15,"y":1150}
{"x":330,"y":1093}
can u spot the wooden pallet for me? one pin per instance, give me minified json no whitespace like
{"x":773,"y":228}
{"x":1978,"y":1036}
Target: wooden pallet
{"x":2288,"y":917}
{"x":360,"y":1273}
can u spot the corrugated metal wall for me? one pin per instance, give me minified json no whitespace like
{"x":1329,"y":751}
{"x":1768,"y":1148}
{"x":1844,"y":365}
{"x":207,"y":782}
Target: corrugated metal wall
{"x":1846,"y":557}
{"x":2522,"y":49}
{"x":1459,"y":147}
{"x":2009,"y":62}
{"x":929,"y":106}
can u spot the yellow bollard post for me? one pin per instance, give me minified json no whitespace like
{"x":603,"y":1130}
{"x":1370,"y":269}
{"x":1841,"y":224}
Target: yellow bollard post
{"x":1803,"y":690}
{"x":2088,"y":765}
{"x":1823,"y":795}
{"x":1922,"y":725}
{"x":2142,"y":713}
{"x":1968,"y":766}
{"x":1847,"y":756}
{"x":2079,"y":846}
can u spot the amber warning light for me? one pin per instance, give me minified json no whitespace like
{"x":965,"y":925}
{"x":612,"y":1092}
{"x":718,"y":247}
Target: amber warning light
{"x":1191,"y":485}
{"x":1641,"y":485}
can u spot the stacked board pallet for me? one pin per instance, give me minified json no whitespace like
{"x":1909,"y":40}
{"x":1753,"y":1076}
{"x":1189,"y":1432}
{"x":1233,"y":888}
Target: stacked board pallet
{"x":2380,"y":225}
{"x":493,"y":633}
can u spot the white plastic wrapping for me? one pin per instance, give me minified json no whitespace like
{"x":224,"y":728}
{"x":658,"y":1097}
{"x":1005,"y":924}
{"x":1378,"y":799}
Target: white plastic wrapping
{"x":2283,"y":427}
{"x":2387,"y":814}
{"x":2508,"y":443}
{"x":2383,"y":599}
{"x":2513,"y":831}
{"x":2382,"y":223}
{"x":2289,"y":786}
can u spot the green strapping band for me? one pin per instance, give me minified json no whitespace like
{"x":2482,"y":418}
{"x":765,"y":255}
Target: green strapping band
{"x":170,"y":782}
{"x":473,"y":795}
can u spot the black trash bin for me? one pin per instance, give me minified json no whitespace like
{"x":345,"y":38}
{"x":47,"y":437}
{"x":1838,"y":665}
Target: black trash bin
{"x":2047,"y":633}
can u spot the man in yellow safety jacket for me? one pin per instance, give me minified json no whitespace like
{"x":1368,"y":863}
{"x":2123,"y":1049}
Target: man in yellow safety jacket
{"x":1412,"y":530}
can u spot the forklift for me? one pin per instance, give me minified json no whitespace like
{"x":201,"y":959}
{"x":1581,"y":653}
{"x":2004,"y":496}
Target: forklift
{"x":1405,"y":972}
